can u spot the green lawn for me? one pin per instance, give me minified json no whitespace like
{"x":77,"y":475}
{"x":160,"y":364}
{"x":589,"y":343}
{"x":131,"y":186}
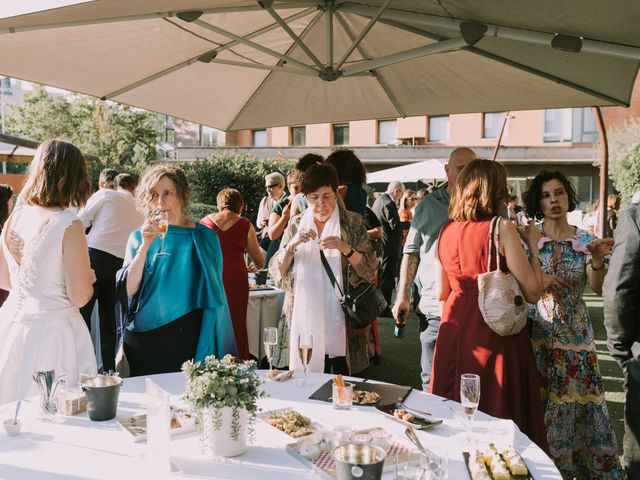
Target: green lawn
{"x":401,"y":360}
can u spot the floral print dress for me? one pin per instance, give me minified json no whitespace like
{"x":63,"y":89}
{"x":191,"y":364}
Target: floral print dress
{"x":582,"y":442}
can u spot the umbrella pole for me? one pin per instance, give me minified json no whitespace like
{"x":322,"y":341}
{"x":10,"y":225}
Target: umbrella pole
{"x":604,"y":171}
{"x":504,"y":124}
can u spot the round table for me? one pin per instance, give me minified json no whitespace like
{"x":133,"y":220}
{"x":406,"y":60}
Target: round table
{"x":77,"y":448}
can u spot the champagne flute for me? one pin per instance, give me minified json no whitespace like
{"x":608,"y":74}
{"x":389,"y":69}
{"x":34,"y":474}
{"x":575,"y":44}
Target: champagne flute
{"x":163,"y":224}
{"x":305,"y":350}
{"x":270,"y":339}
{"x":469,"y":398}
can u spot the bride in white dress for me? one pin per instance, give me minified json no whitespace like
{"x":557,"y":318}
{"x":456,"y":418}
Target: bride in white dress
{"x":44,"y":263}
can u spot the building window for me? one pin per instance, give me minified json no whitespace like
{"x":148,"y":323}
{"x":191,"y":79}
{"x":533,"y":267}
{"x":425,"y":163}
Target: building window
{"x":298,"y":136}
{"x":341,"y":134}
{"x":5,"y":85}
{"x":387,"y":132}
{"x":570,"y":125}
{"x":491,"y":124}
{"x":438,"y":129}
{"x":259,"y":138}
{"x":208,"y":136}
{"x":557,"y":125}
{"x":585,"y":129}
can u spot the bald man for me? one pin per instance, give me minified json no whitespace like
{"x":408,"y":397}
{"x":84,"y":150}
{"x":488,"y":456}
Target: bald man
{"x":430,"y":214}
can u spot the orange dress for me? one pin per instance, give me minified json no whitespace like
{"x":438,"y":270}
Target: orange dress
{"x":509,"y":379}
{"x":405,"y":216}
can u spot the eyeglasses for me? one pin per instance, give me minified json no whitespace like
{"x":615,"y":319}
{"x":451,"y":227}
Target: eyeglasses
{"x":274,"y":185}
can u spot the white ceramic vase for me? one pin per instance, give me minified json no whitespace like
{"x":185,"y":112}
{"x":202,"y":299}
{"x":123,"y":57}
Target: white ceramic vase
{"x":221,"y":441}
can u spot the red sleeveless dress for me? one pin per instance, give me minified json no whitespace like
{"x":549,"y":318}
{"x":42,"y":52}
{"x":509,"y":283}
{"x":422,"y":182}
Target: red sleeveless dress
{"x":509,"y":379}
{"x":233,"y":243}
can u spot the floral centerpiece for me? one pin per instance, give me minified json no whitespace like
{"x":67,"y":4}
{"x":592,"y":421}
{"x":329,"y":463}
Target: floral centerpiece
{"x":224,"y":395}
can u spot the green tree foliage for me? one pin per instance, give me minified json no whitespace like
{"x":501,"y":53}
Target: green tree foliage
{"x":624,"y":154}
{"x":119,"y":135}
{"x":242,"y":172}
{"x":626,"y":173}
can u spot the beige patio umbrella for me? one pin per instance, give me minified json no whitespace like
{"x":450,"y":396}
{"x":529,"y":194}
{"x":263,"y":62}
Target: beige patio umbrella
{"x":235,"y":64}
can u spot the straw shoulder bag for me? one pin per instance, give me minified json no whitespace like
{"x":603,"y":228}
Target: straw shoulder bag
{"x":500,"y":298}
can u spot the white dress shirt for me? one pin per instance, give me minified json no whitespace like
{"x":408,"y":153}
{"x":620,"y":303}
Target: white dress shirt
{"x":112,"y":216}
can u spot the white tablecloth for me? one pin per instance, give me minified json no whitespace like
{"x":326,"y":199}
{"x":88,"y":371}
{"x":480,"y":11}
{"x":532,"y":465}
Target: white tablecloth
{"x":78,"y":448}
{"x":264,"y":310}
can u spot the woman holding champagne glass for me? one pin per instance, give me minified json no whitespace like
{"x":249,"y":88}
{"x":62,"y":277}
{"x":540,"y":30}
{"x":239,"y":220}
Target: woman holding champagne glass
{"x":466,"y":345}
{"x":320,"y":337}
{"x":182,"y":309}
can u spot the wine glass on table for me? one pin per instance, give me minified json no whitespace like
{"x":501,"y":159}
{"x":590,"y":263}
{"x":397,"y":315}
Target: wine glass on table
{"x":163,"y":224}
{"x":270,"y":340}
{"x":469,"y":398}
{"x":305,"y":350}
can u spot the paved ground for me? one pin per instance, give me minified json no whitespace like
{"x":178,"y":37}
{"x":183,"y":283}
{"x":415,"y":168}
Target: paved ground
{"x":401,"y":360}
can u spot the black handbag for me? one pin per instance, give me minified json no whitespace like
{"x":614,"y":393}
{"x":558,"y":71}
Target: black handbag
{"x":361,"y":304}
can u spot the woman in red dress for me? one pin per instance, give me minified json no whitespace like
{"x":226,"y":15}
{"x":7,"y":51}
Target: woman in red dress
{"x":510,"y":383}
{"x":236,"y":235}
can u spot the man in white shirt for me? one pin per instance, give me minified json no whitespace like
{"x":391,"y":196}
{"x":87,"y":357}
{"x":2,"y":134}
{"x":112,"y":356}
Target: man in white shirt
{"x":112,"y":215}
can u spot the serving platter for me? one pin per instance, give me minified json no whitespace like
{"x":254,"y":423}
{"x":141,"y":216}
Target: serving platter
{"x":419,"y":422}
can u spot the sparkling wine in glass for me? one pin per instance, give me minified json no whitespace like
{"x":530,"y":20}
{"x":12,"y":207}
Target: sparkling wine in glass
{"x":270,"y":340}
{"x":163,"y":225}
{"x":469,"y":397}
{"x":305,"y":350}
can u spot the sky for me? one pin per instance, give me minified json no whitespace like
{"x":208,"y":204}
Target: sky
{"x":11,"y":8}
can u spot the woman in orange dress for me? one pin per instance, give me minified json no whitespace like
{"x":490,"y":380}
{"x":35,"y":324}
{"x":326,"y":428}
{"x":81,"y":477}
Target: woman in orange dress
{"x":236,"y":235}
{"x":405,"y":212}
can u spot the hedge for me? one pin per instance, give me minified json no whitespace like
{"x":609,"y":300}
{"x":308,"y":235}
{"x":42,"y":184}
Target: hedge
{"x":240,"y":171}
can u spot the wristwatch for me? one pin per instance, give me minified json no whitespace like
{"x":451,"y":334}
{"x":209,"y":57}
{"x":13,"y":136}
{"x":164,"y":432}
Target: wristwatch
{"x":351,"y":252}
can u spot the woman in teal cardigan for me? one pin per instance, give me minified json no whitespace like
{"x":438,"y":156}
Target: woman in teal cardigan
{"x":182,"y":311}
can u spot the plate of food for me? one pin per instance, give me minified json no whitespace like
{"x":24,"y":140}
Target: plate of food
{"x":489,"y":463}
{"x":364,"y":393}
{"x":409,"y":417}
{"x":290,"y":422}
{"x":181,"y":421}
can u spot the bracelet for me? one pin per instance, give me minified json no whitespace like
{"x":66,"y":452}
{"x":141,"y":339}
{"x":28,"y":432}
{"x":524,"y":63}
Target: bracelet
{"x":351,"y":252}
{"x":535,"y":255}
{"x":600,"y":268}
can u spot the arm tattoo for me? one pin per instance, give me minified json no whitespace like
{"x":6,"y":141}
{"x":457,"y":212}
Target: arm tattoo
{"x":408,"y":270}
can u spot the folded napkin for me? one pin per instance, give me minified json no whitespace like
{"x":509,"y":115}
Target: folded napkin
{"x":279,"y":375}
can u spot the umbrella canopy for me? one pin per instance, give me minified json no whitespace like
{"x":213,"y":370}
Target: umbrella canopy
{"x":236,"y":64}
{"x":427,"y":170}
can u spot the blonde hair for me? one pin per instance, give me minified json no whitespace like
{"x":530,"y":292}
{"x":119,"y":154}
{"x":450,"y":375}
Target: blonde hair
{"x":480,"y":191}
{"x":57,"y":176}
{"x":152,"y":175}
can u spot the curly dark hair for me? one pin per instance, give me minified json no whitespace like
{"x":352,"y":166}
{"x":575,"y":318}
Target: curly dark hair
{"x":533,"y":195}
{"x":307,"y":160}
{"x":348,"y":166}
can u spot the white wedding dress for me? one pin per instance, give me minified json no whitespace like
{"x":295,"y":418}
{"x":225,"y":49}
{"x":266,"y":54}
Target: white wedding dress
{"x":40,"y":329}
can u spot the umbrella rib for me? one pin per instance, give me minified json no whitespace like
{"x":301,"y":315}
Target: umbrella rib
{"x":261,"y":66}
{"x":293,"y":36}
{"x":363,"y":33}
{"x":406,"y":55}
{"x":268,"y":28}
{"x":308,"y":28}
{"x":548,"y":76}
{"x":499,"y":31}
{"x":132,"y":18}
{"x":376,"y":74}
{"x":256,"y":46}
{"x":511,"y":63}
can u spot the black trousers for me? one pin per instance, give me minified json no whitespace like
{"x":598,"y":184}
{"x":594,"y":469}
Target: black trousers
{"x":631,"y":440}
{"x":387,"y":271}
{"x":336,"y":365}
{"x":104,"y":291}
{"x":164,"y":349}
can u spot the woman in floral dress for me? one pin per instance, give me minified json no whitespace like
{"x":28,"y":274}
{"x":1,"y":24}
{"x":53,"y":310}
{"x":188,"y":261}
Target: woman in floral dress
{"x":582,"y":442}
